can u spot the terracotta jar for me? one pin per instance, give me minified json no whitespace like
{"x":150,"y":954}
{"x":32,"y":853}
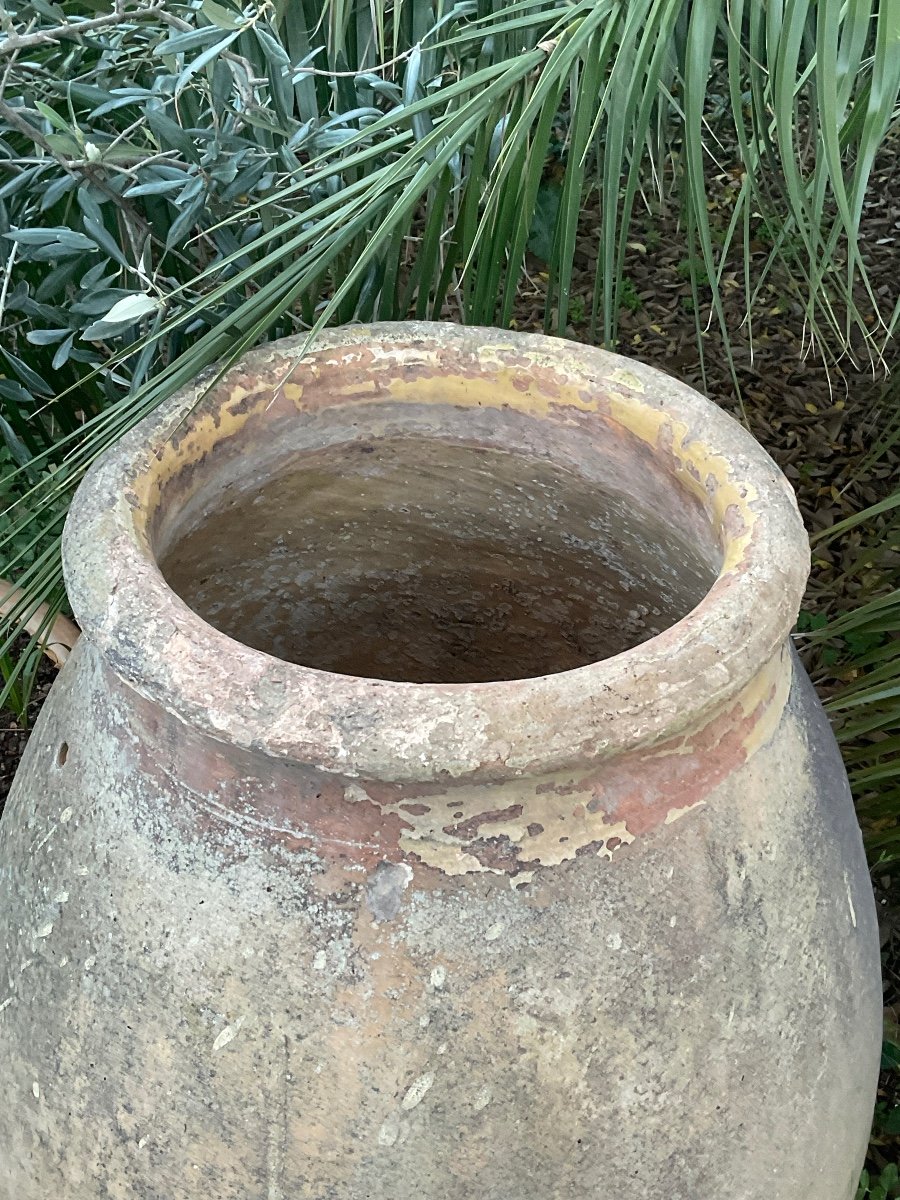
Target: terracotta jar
{"x":433,"y":808}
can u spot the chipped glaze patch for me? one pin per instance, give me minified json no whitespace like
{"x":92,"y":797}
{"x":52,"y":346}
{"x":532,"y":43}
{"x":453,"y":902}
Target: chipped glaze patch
{"x":524,"y":825}
{"x":675,"y":814}
{"x":455,"y":835}
{"x":627,"y":379}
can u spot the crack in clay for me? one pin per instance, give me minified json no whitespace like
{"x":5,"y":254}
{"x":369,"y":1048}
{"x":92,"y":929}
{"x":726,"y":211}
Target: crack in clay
{"x":245,"y":822}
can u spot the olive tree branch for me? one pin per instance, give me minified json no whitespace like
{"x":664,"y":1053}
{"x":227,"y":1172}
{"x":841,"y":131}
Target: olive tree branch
{"x":11,"y":43}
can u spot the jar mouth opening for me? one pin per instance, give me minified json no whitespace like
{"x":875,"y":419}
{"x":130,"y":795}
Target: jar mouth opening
{"x":462,"y":556}
{"x":426,"y":550}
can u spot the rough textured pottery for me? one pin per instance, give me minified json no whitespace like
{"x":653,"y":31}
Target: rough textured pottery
{"x":432,"y":807}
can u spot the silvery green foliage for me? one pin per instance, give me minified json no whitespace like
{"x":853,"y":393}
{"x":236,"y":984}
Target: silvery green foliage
{"x":126,"y":154}
{"x":197,"y":176}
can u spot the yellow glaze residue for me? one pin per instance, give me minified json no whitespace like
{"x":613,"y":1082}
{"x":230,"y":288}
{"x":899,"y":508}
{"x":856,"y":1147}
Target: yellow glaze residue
{"x":534,"y":385}
{"x":698,"y":468}
{"x":766,"y":695}
{"x":201,"y":431}
{"x":760,"y":703}
{"x":627,"y":379}
{"x":550,"y":829}
{"x":694,"y":458}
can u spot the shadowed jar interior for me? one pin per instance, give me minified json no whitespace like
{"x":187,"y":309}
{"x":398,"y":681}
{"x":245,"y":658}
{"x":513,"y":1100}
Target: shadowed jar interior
{"x":429,"y":560}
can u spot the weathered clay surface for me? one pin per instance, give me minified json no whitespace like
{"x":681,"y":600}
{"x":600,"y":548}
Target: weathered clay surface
{"x":271,"y":931}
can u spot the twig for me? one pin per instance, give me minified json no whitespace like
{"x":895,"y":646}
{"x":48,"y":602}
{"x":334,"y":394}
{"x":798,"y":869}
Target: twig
{"x":14,"y":42}
{"x":252,"y":79}
{"x":18,"y":122}
{"x":383,"y":66}
{"x":7,"y":275}
{"x":12,"y":61}
{"x":80,"y":169}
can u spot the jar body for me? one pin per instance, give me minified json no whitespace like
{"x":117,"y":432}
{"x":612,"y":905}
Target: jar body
{"x":220,"y":980}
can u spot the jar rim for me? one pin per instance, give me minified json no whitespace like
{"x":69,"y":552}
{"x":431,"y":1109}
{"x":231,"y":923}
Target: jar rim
{"x":403,"y":731}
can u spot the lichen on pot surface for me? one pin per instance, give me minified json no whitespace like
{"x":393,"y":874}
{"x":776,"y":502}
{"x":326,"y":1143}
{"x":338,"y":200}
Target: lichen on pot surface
{"x":442,"y":811}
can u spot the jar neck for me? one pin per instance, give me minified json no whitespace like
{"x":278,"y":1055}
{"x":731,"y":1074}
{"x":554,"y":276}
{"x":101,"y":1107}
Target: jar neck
{"x":645,"y":437}
{"x":240,"y":800}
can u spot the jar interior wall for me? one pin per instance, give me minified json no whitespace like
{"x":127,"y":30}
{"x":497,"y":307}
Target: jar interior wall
{"x":433,"y":561}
